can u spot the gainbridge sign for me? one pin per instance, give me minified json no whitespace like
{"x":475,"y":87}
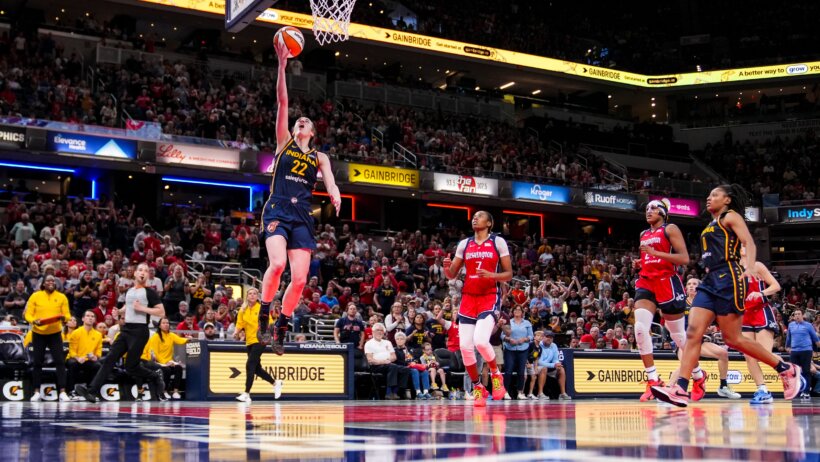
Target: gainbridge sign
{"x":384,"y":176}
{"x":513,"y":58}
{"x":609,"y":373}
{"x":308,"y":371}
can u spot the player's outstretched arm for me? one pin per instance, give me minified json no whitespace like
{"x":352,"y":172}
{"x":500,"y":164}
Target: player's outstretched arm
{"x":282,"y":131}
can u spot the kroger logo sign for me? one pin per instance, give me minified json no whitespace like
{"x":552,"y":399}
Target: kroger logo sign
{"x":540,"y":192}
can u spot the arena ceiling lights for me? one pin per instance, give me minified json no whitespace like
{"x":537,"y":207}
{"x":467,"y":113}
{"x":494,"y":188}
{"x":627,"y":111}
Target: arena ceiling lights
{"x":363,"y":32}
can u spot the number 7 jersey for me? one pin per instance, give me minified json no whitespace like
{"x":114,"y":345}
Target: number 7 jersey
{"x":487,"y":256}
{"x":294,"y":173}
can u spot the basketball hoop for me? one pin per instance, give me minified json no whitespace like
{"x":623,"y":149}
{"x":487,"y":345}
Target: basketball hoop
{"x":331,"y":19}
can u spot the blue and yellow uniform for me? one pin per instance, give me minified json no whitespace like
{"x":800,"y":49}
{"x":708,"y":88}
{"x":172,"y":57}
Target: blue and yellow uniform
{"x":288,"y":210}
{"x":723,"y":290}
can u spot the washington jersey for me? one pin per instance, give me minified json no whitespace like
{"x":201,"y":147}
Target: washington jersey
{"x":294,"y":173}
{"x":720,"y":244}
{"x":755,"y":285}
{"x":487,"y":256}
{"x":655,"y":267}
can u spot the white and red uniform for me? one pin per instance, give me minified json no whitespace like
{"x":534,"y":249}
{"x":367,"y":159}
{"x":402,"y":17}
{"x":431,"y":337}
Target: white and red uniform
{"x":481,"y":297}
{"x":758,"y":314}
{"x":659,"y":281}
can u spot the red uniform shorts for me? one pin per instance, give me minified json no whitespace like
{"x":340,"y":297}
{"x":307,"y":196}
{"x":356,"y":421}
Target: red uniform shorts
{"x":475,"y":307}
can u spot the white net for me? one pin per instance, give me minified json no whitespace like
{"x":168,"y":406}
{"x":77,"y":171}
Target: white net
{"x":331,"y":19}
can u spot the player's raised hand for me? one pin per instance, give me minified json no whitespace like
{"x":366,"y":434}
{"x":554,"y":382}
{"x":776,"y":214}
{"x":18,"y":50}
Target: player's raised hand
{"x":281,"y":51}
{"x":445,"y":264}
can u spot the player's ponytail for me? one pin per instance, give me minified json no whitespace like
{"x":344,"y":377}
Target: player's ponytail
{"x":739,"y":198}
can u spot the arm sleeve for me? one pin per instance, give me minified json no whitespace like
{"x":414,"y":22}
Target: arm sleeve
{"x":177,"y":339}
{"x":64,"y":307}
{"x":530,"y":335}
{"x":31,"y":308}
{"x":153,"y":298}
{"x":813,"y":333}
{"x":240,"y":319}
{"x":501,"y":245}
{"x":390,"y":323}
{"x":462,"y":246}
{"x":72,"y":344}
{"x":98,"y":347}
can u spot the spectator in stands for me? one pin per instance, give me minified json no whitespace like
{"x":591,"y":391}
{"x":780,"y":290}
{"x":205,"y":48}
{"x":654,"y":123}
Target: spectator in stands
{"x":23,"y":230}
{"x":381,"y":357}
{"x":417,"y":333}
{"x":84,"y":353}
{"x":188,"y":325}
{"x":349,"y":328}
{"x":418,"y":372}
{"x":47,"y":310}
{"x":176,"y":290}
{"x":182,"y":312}
{"x":428,"y":360}
{"x":516,"y":337}
{"x":159,"y":355}
{"x":549,"y":365}
{"x":16,"y":300}
{"x":102,"y":309}
{"x":396,"y":322}
{"x":435,"y":326}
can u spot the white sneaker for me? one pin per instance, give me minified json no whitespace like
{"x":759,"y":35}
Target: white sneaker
{"x":176,"y":395}
{"x":35,"y":398}
{"x":521,"y":397}
{"x":727,"y":392}
{"x":64,"y":397}
{"x":166,"y":395}
{"x":531,"y":397}
{"x":507,"y":396}
{"x":469,"y":396}
{"x":543,"y":397}
{"x":564,"y":397}
{"x":244,"y":397}
{"x":277,"y":389}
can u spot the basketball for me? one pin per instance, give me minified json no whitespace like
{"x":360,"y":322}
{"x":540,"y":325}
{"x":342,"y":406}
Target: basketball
{"x":292,"y":38}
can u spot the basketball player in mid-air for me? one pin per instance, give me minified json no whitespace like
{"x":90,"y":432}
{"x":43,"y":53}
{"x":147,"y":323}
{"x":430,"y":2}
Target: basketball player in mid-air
{"x":141,"y":302}
{"x":722,"y":295}
{"x":483,"y":255}
{"x":286,"y":219}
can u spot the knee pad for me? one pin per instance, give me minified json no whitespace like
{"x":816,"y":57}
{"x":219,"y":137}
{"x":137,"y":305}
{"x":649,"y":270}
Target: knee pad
{"x":643,"y":322}
{"x":677,"y":331}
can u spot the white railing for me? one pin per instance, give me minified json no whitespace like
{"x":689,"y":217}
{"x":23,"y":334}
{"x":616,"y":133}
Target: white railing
{"x":400,"y":152}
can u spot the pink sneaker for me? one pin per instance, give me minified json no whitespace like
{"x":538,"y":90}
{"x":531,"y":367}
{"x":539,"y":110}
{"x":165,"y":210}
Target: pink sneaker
{"x":699,"y":388}
{"x":793,"y":381}
{"x":498,"y":386}
{"x":647,"y":395}
{"x":480,"y":395}
{"x":672,"y":394}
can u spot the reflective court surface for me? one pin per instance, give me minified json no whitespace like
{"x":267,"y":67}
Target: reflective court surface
{"x":384,"y":431}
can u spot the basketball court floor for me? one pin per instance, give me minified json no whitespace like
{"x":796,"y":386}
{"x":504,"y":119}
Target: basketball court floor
{"x":385,"y":431}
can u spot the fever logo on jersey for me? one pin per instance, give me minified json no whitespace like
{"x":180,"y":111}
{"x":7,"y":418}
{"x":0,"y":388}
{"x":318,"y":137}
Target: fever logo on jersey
{"x":272,"y":226}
